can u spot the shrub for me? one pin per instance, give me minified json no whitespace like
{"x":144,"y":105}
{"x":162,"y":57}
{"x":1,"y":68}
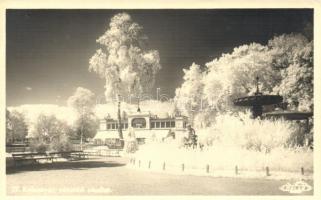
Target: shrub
{"x":245,"y":132}
{"x":61,"y":144}
{"x":131,"y":146}
{"x":38,"y":146}
{"x":239,"y":140}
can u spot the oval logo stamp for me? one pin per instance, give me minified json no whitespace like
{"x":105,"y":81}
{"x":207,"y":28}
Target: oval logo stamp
{"x":296,"y":188}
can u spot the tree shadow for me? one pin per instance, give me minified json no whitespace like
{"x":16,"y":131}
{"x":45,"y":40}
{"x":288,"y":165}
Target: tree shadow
{"x":65,"y":165}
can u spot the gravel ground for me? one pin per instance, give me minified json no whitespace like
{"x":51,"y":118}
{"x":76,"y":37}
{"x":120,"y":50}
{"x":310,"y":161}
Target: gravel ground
{"x":110,"y":176}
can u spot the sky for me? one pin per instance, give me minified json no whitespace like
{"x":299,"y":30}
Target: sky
{"x":48,"y":51}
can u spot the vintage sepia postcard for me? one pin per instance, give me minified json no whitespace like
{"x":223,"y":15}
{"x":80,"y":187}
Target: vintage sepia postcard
{"x":167,"y":99}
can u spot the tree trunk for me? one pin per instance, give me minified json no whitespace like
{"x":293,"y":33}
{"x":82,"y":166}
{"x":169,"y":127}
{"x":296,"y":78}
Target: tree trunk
{"x":81,"y":132}
{"x":120,"y":132}
{"x":81,"y":141}
{"x":13,"y":139}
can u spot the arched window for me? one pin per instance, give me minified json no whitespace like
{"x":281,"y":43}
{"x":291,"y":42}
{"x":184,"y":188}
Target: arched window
{"x":139,"y":123}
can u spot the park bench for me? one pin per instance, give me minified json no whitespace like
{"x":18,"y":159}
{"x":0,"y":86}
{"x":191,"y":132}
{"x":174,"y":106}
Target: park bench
{"x":34,"y":158}
{"x":70,"y":155}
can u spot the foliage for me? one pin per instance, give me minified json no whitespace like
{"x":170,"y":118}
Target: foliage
{"x":252,"y":144}
{"x":87,"y":125}
{"x":252,"y":134}
{"x":61,"y":144}
{"x":187,"y":97}
{"x":204,"y":118}
{"x":38,"y":146}
{"x":294,"y":54}
{"x":50,"y":134}
{"x":131,"y":146}
{"x":83,"y":102}
{"x":285,"y":47}
{"x":16,"y":127}
{"x":124,"y":61}
{"x":48,"y":128}
{"x":233,"y":75}
{"x":284,"y":66}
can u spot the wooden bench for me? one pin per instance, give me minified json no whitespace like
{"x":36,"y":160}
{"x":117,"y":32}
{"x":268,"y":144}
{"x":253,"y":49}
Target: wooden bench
{"x":70,"y":155}
{"x":34,"y":158}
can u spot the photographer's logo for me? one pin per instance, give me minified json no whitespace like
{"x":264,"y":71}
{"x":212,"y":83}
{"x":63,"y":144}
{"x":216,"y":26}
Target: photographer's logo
{"x":296,"y":188}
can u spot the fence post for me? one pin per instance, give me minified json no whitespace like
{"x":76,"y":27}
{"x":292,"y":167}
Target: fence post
{"x":149,"y":163}
{"x":236,"y":170}
{"x":183,"y":167}
{"x":302,"y":170}
{"x":267,"y":171}
{"x":164,"y":166}
{"x":207,"y":168}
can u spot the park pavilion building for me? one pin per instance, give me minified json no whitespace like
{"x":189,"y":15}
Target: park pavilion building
{"x":144,"y":124}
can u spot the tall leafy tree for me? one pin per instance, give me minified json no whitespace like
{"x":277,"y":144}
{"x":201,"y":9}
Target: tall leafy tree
{"x":48,"y":128}
{"x":124,"y":61}
{"x":83,"y":102}
{"x":233,"y":75}
{"x":51,"y":132}
{"x":16,"y":127}
{"x":293,"y":56}
{"x":283,"y":49}
{"x":188,"y":97}
{"x":86,"y":126}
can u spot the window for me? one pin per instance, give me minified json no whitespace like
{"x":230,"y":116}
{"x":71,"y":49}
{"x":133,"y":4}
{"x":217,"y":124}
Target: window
{"x":116,"y":126}
{"x":163,"y":124}
{"x":173,"y":124}
{"x":152,"y":125}
{"x":113,"y":126}
{"x":126,"y":125}
{"x":168,"y":124}
{"x":108,"y":126}
{"x":157,"y":124}
{"x":139,"y":123}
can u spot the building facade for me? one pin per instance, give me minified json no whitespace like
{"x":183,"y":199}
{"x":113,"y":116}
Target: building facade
{"x":143,"y":124}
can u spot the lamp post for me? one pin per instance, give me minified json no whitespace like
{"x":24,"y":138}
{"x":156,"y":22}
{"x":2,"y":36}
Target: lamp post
{"x":138,"y":108}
